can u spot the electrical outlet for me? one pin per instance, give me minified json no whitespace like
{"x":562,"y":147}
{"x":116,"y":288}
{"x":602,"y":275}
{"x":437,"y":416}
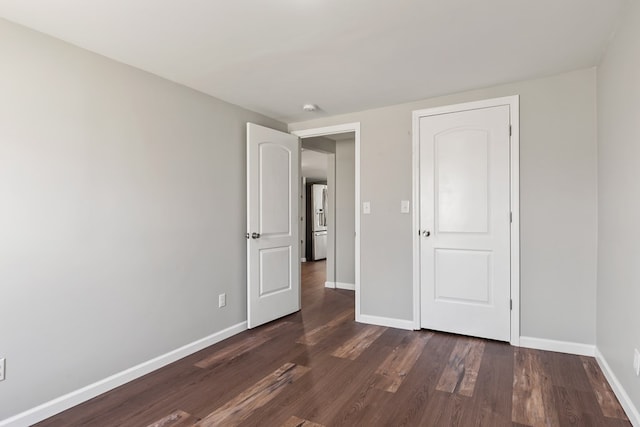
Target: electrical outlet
{"x":222,"y":300}
{"x":636,"y":362}
{"x":2,"y":368}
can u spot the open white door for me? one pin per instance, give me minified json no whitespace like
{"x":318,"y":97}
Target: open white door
{"x":465,"y":222}
{"x":273,"y":246}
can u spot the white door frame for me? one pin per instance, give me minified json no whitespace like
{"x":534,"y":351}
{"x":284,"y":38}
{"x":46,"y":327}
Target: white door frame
{"x":331,"y":130}
{"x":514,"y":112}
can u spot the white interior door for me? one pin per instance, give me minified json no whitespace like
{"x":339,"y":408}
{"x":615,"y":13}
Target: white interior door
{"x":273,"y":264}
{"x":465,"y":222}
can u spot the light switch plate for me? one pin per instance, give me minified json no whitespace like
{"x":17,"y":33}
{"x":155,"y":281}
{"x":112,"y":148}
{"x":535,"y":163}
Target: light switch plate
{"x":222,"y":300}
{"x":404,"y":206}
{"x":636,"y":362}
{"x":366,"y":208}
{"x":2,"y":368}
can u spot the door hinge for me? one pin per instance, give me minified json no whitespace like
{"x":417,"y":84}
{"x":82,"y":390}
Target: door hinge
{"x":510,"y":130}
{"x":510,"y":216}
{"x":510,"y":304}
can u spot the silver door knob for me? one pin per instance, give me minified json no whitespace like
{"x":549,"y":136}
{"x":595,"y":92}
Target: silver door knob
{"x":426,"y":233}
{"x":255,"y":235}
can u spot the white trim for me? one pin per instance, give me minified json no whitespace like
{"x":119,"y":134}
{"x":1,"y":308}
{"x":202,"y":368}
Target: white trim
{"x":627,"y":404}
{"x":331,"y":130}
{"x":386,"y":321}
{"x":55,"y":406}
{"x":303,"y":260}
{"x":415,"y":218}
{"x":346,"y":286}
{"x":558,"y":346}
{"x":514,"y":113}
{"x":340,"y":285}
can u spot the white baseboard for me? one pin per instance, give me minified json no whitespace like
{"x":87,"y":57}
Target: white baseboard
{"x":627,"y":404}
{"x":340,"y":285}
{"x":385,"y":321}
{"x":559,"y":346}
{"x":303,"y":260}
{"x":83,"y":394}
{"x":347,"y":286}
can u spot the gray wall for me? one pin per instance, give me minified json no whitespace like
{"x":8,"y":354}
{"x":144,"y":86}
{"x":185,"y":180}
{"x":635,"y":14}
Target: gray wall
{"x":122,"y":219}
{"x":345,"y":212}
{"x":618,"y":316}
{"x":558,"y":203}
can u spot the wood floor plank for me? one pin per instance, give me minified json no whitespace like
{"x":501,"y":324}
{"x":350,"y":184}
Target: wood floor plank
{"x":239,"y":408}
{"x":443,"y":409}
{"x":249,"y":343}
{"x":316,"y":335}
{"x":359,"y":343}
{"x":299,"y":422}
{"x":491,"y":401}
{"x":533,"y":398}
{"x":407,"y":406}
{"x":528,"y":408}
{"x":471,"y":367}
{"x":394,"y":369}
{"x":577,"y":408}
{"x":566,"y":371}
{"x":175,"y":419}
{"x":606,"y":398}
{"x":462,"y":368}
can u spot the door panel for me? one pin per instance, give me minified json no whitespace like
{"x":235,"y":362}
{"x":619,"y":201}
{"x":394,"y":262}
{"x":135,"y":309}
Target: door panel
{"x":273,"y":268}
{"x":471,"y":284}
{"x":462,"y":180}
{"x":275,"y":189}
{"x":465,"y":213}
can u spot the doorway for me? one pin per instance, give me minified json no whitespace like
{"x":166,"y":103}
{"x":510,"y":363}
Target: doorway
{"x":314,"y":171}
{"x":328,"y":210}
{"x":466,"y":221}
{"x":343,"y":270}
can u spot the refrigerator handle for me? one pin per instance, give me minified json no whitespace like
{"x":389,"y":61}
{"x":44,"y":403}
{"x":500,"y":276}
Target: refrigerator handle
{"x":324,"y":206}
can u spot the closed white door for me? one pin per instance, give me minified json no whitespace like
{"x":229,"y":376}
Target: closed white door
{"x":465,"y":222}
{"x":273,"y":266}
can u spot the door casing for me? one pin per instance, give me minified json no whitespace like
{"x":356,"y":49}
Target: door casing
{"x":514,"y":107}
{"x":331,"y":130}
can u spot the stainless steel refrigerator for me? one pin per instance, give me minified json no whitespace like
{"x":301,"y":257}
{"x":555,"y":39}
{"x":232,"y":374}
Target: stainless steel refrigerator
{"x":318,"y":221}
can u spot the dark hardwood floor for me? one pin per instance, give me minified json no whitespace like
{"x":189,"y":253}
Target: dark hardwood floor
{"x":319,"y":368}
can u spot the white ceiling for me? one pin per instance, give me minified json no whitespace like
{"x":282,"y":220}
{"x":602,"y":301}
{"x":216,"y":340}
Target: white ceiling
{"x":344,"y":55}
